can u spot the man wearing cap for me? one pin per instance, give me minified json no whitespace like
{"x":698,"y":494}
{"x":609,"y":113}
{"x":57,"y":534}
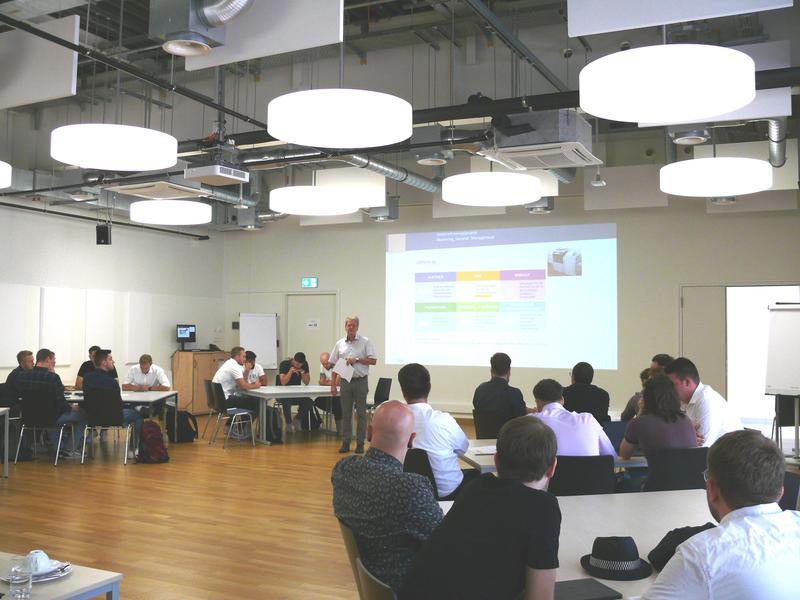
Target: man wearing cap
{"x":500,"y":538}
{"x":755,"y":552}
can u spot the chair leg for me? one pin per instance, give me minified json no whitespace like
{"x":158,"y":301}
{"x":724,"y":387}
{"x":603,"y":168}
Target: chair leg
{"x":72,"y":436}
{"x":86,"y":434}
{"x":34,"y":442}
{"x":252,"y":431}
{"x":228,"y":435}
{"x":58,"y":448}
{"x":127,"y":443}
{"x":208,"y":420}
{"x":19,"y":443}
{"x":213,"y":439}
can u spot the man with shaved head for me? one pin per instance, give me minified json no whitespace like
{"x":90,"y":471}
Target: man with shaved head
{"x":391,"y":513}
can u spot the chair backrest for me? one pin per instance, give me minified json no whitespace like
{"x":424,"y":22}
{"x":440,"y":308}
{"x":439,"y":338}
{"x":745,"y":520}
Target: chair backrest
{"x":38,"y":409}
{"x":382,"y":391}
{"x":784,"y":409}
{"x":417,"y":462}
{"x":372,"y":588}
{"x":582,"y":475}
{"x":351,"y":546}
{"x":615,"y":430}
{"x":209,"y":394}
{"x":676,"y":469}
{"x":487,"y":424}
{"x":103,"y":408}
{"x":219,"y":397}
{"x":791,"y":491}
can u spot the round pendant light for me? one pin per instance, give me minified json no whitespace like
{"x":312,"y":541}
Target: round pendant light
{"x":113,"y":147}
{"x":340,"y":118}
{"x":491,"y":189}
{"x":673,"y":83}
{"x":310,"y":200}
{"x":716,"y":177}
{"x":170,"y":212}
{"x":5,"y":175}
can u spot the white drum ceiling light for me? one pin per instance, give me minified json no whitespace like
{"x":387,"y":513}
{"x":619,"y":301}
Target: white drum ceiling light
{"x":340,"y":118}
{"x":491,"y":189}
{"x":673,"y":83}
{"x":5,"y":175}
{"x":112,"y":147}
{"x":715,"y":177}
{"x":170,"y":212}
{"x":311,"y":201}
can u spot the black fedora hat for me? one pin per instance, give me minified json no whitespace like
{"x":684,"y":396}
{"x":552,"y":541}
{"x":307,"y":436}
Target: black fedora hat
{"x":615,"y":558}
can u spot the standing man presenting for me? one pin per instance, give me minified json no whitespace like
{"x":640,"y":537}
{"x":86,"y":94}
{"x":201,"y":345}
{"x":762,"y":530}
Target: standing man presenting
{"x":358,"y":352}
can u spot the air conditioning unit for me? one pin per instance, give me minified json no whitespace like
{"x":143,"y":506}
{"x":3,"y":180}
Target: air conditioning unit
{"x":159,"y":190}
{"x":216,"y":175}
{"x":554,"y":139}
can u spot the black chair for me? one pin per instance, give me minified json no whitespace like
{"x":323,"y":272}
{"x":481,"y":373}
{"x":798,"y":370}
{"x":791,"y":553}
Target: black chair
{"x":676,"y":469}
{"x":615,"y":430}
{"x":382,"y":391}
{"x":791,"y":491}
{"x":238,"y":417}
{"x":417,"y":462}
{"x":103,"y":409}
{"x":583,"y":475}
{"x":353,"y":554}
{"x":39,"y":411}
{"x":372,"y":588}
{"x":487,"y":424}
{"x":784,"y":417}
{"x":210,"y":403}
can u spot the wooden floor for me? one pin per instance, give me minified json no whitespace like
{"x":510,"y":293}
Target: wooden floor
{"x":236,"y":523}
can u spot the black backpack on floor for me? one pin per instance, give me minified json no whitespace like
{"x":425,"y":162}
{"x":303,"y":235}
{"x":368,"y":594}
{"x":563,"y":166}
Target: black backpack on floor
{"x":187,"y":426}
{"x":273,"y":425}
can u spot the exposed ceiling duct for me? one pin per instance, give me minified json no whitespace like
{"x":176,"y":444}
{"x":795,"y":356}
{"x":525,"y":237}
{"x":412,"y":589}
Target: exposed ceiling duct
{"x":776,"y":134}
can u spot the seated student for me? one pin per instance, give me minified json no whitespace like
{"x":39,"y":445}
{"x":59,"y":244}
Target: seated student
{"x":100,"y":379}
{"x":583,"y":397}
{"x":294,"y":371}
{"x":88,"y":366}
{"x":754,"y":554}
{"x":146,"y":377}
{"x":659,"y":361}
{"x":230,"y":376}
{"x":662,"y":424}
{"x":43,"y":380}
{"x":334,"y":403}
{"x":253,"y":370}
{"x":711,"y":414}
{"x":435,"y":432}
{"x":390,"y":512}
{"x":500,"y":538}
{"x":635,"y":403}
{"x":578,"y":434}
{"x":496,"y":395}
{"x":10,"y":392}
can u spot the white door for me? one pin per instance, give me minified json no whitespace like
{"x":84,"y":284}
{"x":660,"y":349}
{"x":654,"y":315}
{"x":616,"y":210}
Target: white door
{"x":703,"y":333}
{"x":311,"y":327}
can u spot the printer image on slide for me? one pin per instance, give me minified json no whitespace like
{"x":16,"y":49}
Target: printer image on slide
{"x":564,"y":262}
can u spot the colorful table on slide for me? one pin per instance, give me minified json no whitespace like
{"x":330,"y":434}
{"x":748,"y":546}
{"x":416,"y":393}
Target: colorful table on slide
{"x":478,"y":301}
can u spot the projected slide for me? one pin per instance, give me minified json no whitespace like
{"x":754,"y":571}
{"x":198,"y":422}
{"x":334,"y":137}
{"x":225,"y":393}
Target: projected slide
{"x":547,"y":296}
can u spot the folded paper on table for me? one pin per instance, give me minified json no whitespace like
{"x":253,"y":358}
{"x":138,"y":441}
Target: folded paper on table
{"x":479,"y":450}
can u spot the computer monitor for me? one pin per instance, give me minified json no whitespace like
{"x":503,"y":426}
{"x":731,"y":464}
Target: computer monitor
{"x":186,"y":333}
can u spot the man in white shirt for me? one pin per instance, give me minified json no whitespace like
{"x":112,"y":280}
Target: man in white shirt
{"x":754,"y":554}
{"x":435,"y":432}
{"x":146,"y":377}
{"x":231,"y":376}
{"x":253,"y":370}
{"x":711,"y":414}
{"x":578,"y":434}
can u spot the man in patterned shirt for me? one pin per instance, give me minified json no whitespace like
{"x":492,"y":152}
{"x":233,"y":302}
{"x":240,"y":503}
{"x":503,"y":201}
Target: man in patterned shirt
{"x":390,"y":512}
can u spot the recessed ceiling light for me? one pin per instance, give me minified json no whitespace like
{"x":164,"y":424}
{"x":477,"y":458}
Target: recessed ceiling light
{"x":491,"y":189}
{"x":716,"y":177}
{"x":113,"y":147}
{"x":5,"y":175}
{"x":170,"y":212}
{"x":673,"y":83}
{"x":310,"y":200}
{"x":340,"y":118}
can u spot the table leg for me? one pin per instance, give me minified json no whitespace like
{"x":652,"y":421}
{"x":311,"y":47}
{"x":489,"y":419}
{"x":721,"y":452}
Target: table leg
{"x":262,"y":419}
{"x":5,"y":444}
{"x":113,"y":593}
{"x":796,"y":427}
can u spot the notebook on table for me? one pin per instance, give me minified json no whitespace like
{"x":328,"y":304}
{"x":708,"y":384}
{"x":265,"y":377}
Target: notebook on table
{"x":584,"y":589}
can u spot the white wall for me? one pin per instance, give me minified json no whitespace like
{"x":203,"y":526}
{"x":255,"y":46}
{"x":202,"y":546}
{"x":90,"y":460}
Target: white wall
{"x":658,"y":250}
{"x":142,"y":280}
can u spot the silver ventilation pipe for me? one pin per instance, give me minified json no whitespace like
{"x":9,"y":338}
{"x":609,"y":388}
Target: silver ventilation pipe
{"x":216,"y":13}
{"x":391,"y":172}
{"x":776,"y":134}
{"x":564,"y":174}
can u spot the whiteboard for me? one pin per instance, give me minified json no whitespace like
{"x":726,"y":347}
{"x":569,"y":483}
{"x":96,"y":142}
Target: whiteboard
{"x":19,"y":321}
{"x":58,"y":323}
{"x":259,"y":333}
{"x":138,"y":326}
{"x":783,"y":358}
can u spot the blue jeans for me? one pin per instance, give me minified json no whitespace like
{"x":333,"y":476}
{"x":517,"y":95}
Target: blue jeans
{"x":78,"y":422}
{"x":129,"y":415}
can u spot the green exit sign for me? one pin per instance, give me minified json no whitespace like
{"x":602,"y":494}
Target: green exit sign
{"x":309,"y":282}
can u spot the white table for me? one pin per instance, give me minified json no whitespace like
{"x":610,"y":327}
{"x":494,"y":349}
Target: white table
{"x":485,"y":462}
{"x":646,"y":517}
{"x":277,"y":392}
{"x":5,"y":412}
{"x":83,"y":583}
{"x":140,"y":398}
